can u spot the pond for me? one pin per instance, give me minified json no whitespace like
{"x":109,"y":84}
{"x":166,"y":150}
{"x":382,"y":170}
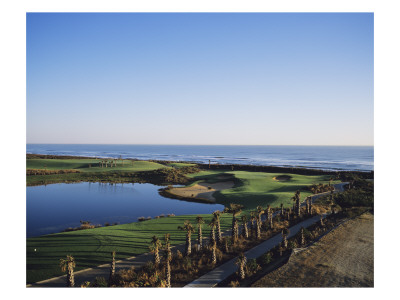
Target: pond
{"x":55,"y":207}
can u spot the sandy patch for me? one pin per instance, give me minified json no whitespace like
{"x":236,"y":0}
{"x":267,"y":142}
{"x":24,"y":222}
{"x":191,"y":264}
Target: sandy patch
{"x":342,"y":258}
{"x":282,"y":178}
{"x":202,"y":190}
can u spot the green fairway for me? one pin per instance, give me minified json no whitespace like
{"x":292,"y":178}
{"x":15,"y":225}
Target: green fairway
{"x":91,"y":165}
{"x":92,"y":247}
{"x":259,"y":188}
{"x":180,"y":165}
{"x":89,"y":170}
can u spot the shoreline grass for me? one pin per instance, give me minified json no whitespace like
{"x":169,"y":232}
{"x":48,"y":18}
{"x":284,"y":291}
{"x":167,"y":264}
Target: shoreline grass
{"x":92,"y":247}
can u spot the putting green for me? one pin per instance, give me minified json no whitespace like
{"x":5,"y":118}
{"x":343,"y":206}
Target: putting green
{"x":92,"y":247}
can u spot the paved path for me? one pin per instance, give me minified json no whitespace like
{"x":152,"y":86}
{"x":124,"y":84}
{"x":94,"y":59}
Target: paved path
{"x":220,"y":273}
{"x":135,"y":261}
{"x":212,"y":278}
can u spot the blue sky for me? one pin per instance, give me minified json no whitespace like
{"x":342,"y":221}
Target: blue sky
{"x":240,"y":79}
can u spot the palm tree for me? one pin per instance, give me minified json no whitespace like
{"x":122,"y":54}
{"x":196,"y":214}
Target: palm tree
{"x":69,"y":265}
{"x":112,"y":269}
{"x":285,"y":233}
{"x":253,"y":219}
{"x":188,"y":227}
{"x":302,"y":237}
{"x":245,"y":231}
{"x":168,"y":258}
{"x":268,"y":212}
{"x":214,"y":253}
{"x":213,"y":225}
{"x":260,"y":211}
{"x":154,"y":247}
{"x":200,"y":221}
{"x":296,"y":198}
{"x":217,"y":216}
{"x":271,"y":220}
{"x":241,"y":262}
{"x":235,"y":210}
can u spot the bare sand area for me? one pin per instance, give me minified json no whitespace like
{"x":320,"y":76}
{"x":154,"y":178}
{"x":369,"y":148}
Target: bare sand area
{"x":202,"y":190}
{"x":342,"y":258}
{"x":282,"y":178}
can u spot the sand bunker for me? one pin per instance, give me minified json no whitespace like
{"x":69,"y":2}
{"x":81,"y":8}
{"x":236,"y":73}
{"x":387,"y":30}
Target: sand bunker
{"x":202,"y":190}
{"x":282,"y":178}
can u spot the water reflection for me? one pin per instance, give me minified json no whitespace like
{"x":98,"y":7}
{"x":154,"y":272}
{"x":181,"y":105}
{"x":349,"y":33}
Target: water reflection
{"x":53,"y":208}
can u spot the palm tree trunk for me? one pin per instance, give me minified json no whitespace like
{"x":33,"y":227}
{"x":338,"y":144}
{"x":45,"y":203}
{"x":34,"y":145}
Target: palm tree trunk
{"x":188,"y":243}
{"x":234,"y":229}
{"x":200,"y":239}
{"x":242,"y":274}
{"x":212,"y":236}
{"x":258,"y":229}
{"x":70,"y":275}
{"x":271,"y":222}
{"x":226,"y":246}
{"x":284,"y":240}
{"x":219,"y":235}
{"x":112,"y":269}
{"x":156,"y":257}
{"x":214,"y":254}
{"x":245,"y":231}
{"x":168,"y":274}
{"x":302,"y":238}
{"x":298,"y":206}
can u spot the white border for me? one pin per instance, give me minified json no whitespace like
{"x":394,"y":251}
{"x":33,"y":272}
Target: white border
{"x":13,"y":122}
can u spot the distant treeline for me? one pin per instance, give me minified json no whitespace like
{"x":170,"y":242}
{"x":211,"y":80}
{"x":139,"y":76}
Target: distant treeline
{"x":343,"y":175}
{"x":30,"y":172}
{"x":273,"y":169}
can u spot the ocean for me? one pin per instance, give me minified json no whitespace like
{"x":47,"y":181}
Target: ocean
{"x":349,"y":158}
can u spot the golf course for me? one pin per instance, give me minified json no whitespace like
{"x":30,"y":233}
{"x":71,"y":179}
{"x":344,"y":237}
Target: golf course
{"x":92,"y":247}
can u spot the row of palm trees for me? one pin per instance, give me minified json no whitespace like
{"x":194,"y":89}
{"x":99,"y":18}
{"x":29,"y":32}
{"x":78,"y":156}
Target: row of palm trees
{"x":215,"y":240}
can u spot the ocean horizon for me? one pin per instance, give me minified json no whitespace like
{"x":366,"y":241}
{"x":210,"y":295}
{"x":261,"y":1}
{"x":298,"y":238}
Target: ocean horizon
{"x":345,"y":158}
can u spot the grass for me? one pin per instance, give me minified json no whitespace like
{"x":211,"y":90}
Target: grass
{"x":259,"y":188}
{"x":121,"y":172}
{"x":180,"y":165}
{"x":92,"y":247}
{"x":83,"y":165}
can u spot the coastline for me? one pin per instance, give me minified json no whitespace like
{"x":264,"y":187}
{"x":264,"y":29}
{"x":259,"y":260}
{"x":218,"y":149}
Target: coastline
{"x":217,"y":166}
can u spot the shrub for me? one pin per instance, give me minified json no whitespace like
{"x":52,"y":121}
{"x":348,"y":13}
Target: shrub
{"x":252,"y":266}
{"x":265,"y":259}
{"x":234,"y":284}
{"x":355,"y":197}
{"x":292,"y":244}
{"x":100,"y":282}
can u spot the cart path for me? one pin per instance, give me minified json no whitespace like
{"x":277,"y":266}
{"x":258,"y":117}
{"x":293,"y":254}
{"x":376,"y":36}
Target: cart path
{"x":220,"y":273}
{"x":135,"y":261}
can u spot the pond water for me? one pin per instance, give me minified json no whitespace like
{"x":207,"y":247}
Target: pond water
{"x":55,"y":207}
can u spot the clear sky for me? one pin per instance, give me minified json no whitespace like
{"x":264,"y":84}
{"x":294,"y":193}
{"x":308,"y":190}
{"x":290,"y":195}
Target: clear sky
{"x":239,"y":79}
